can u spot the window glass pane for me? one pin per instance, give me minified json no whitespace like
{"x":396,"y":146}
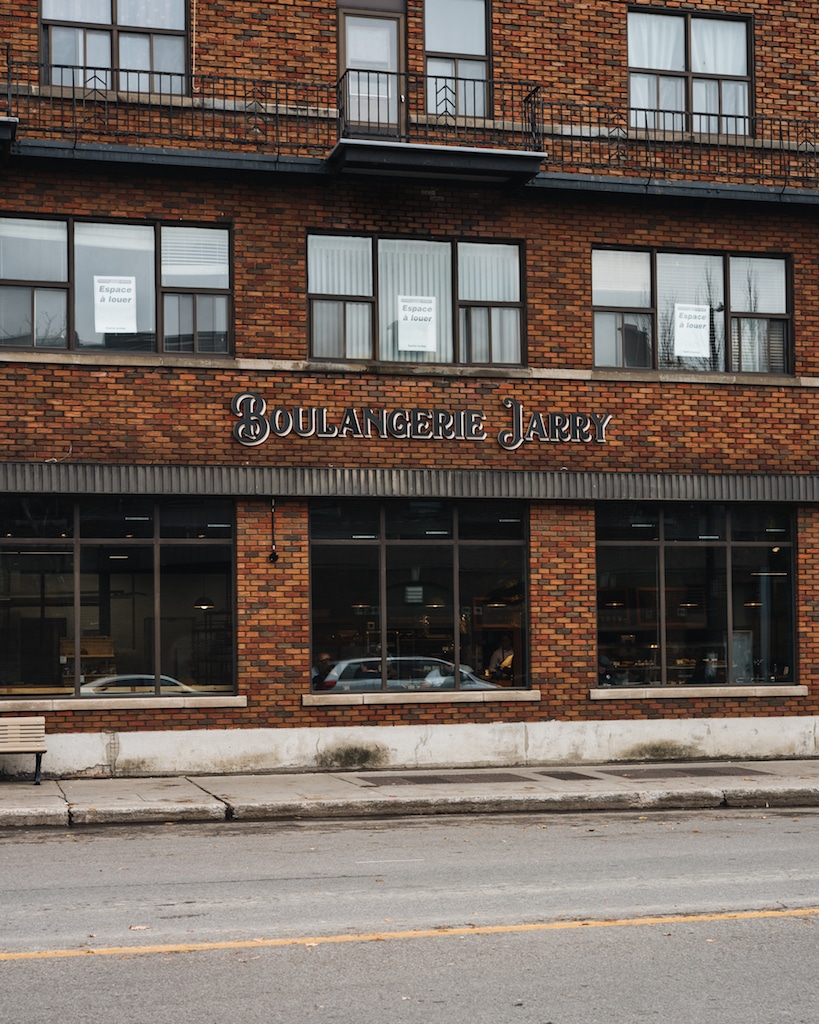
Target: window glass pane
{"x":117,"y":624}
{"x":656,"y":41}
{"x":758,"y":285}
{"x":135,"y":52}
{"x":117,"y":517}
{"x":15,"y":316}
{"x":420,"y":617}
{"x":168,"y":14}
{"x":628,"y":623}
{"x":98,"y":11}
{"x":328,"y":329}
{"x":696,"y":615}
{"x":441,"y":86}
{"x":66,"y":49}
{"x":98,"y":55}
{"x":35,"y":516}
{"x":419,"y":272}
{"x":456,"y":26}
{"x":695,"y":522}
{"x":51,"y":318}
{"x":179,"y":330}
{"x":212,"y":323}
{"x":475,"y":337}
{"x":33,"y":250}
{"x":196,"y":518}
{"x":760,"y":523}
{"x":196,"y":624}
{"x":763,"y":619}
{"x":690,"y":310}
{"x":37,"y":598}
{"x":115,"y":286}
{"x":491,"y":520}
{"x":621,"y":278}
{"x":491,"y":619}
{"x":346,"y":617}
{"x":488,"y":272}
{"x":195,"y":258}
{"x":623,"y":339}
{"x":347,"y":520}
{"x":358,"y":318}
{"x":169,"y":56}
{"x":718,"y":47}
{"x":505,"y":335}
{"x":428,"y":520}
{"x":639,"y":523}
{"x":339,"y":265}
{"x":758,"y":345}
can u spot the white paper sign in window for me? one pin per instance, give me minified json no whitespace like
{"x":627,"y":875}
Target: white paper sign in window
{"x":417,"y":323}
{"x":115,"y":305}
{"x":692,"y":331}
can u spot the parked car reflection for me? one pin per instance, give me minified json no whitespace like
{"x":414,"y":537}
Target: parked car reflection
{"x":411,"y":673}
{"x":114,"y":685}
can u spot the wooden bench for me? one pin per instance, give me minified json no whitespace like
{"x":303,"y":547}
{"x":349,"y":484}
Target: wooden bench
{"x":24,"y":736}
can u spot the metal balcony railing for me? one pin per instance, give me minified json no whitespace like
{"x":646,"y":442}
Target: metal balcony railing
{"x":229,"y":114}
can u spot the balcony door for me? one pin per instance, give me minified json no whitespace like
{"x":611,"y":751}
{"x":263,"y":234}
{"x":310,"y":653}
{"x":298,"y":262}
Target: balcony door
{"x":371,"y":58}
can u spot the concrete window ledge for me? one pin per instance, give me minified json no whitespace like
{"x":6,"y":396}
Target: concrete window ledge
{"x":672,"y":692}
{"x":120,"y":703}
{"x":447,"y":697}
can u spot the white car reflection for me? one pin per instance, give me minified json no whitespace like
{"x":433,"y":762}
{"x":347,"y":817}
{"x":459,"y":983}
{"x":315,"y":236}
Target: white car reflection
{"x":135,"y":684}
{"x":411,"y":673}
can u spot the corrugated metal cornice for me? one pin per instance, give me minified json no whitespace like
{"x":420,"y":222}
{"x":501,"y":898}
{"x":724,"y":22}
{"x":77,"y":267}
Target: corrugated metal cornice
{"x":272,"y":481}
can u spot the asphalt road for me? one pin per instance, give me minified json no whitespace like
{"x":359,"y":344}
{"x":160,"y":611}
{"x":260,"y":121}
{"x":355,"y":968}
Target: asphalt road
{"x":538,"y":919}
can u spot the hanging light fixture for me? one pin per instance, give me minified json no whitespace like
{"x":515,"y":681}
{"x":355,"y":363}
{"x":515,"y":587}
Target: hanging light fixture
{"x":204,"y":604}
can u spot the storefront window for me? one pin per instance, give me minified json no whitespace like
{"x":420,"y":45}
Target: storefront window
{"x":418,"y":595}
{"x":95,"y":601}
{"x":694,"y":594}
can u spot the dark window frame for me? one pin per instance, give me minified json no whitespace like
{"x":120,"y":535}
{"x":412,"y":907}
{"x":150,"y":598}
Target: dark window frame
{"x":118,"y":76}
{"x":458,"y":304}
{"x":456,"y":542}
{"x":160,"y":290}
{"x":730,"y":315}
{"x":658,"y":536}
{"x":686,"y":120}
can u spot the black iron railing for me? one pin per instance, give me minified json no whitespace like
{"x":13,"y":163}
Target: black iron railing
{"x":222,"y":113}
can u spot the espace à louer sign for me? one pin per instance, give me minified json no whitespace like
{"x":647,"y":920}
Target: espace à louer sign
{"x":255,"y":424}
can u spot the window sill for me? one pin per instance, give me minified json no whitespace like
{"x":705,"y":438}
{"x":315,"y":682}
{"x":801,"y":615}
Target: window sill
{"x":120,"y":703}
{"x":673,"y":692}
{"x":447,"y":697}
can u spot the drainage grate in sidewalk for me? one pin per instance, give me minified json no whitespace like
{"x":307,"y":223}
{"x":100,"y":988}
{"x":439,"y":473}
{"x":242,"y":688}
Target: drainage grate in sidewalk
{"x":441,"y":780}
{"x":567,"y":776}
{"x":694,"y":771}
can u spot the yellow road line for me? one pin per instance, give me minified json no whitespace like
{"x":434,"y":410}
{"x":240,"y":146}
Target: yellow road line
{"x":422,"y":933}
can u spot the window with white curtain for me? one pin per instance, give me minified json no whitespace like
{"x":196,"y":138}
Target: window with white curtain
{"x":456,"y":43}
{"x":110,"y":295}
{"x":688,"y":73}
{"x":86,"y":41}
{"x":671,"y":310}
{"x":435,"y":302}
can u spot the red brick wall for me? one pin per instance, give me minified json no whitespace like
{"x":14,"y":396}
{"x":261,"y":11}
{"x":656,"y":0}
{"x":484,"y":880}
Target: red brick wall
{"x":578,"y":52}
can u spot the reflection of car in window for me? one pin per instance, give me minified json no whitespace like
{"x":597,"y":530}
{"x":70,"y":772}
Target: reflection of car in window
{"x":411,"y":673}
{"x":114,"y":685}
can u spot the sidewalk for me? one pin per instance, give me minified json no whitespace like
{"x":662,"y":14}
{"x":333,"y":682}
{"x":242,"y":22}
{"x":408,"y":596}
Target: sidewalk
{"x":612,"y":787}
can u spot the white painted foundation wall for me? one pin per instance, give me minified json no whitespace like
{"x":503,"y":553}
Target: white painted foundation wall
{"x":225,"y":751}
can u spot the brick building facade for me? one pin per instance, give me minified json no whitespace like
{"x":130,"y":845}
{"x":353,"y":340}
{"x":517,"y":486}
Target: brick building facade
{"x":386,"y":330}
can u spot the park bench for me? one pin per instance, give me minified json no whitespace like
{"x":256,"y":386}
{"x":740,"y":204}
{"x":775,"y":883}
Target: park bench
{"x":24,"y":736}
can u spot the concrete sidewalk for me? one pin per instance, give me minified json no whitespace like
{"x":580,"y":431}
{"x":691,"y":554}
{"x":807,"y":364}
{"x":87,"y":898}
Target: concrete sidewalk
{"x":611,"y":787}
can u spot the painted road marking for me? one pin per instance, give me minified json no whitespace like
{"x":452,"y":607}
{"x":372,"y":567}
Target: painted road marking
{"x":421,"y":933}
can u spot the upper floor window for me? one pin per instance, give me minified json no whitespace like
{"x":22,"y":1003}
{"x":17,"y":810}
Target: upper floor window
{"x":456,"y":43}
{"x":688,"y":73}
{"x":85,"y":40}
{"x":407,"y":300}
{"x":674,"y":311}
{"x":141,"y":287}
